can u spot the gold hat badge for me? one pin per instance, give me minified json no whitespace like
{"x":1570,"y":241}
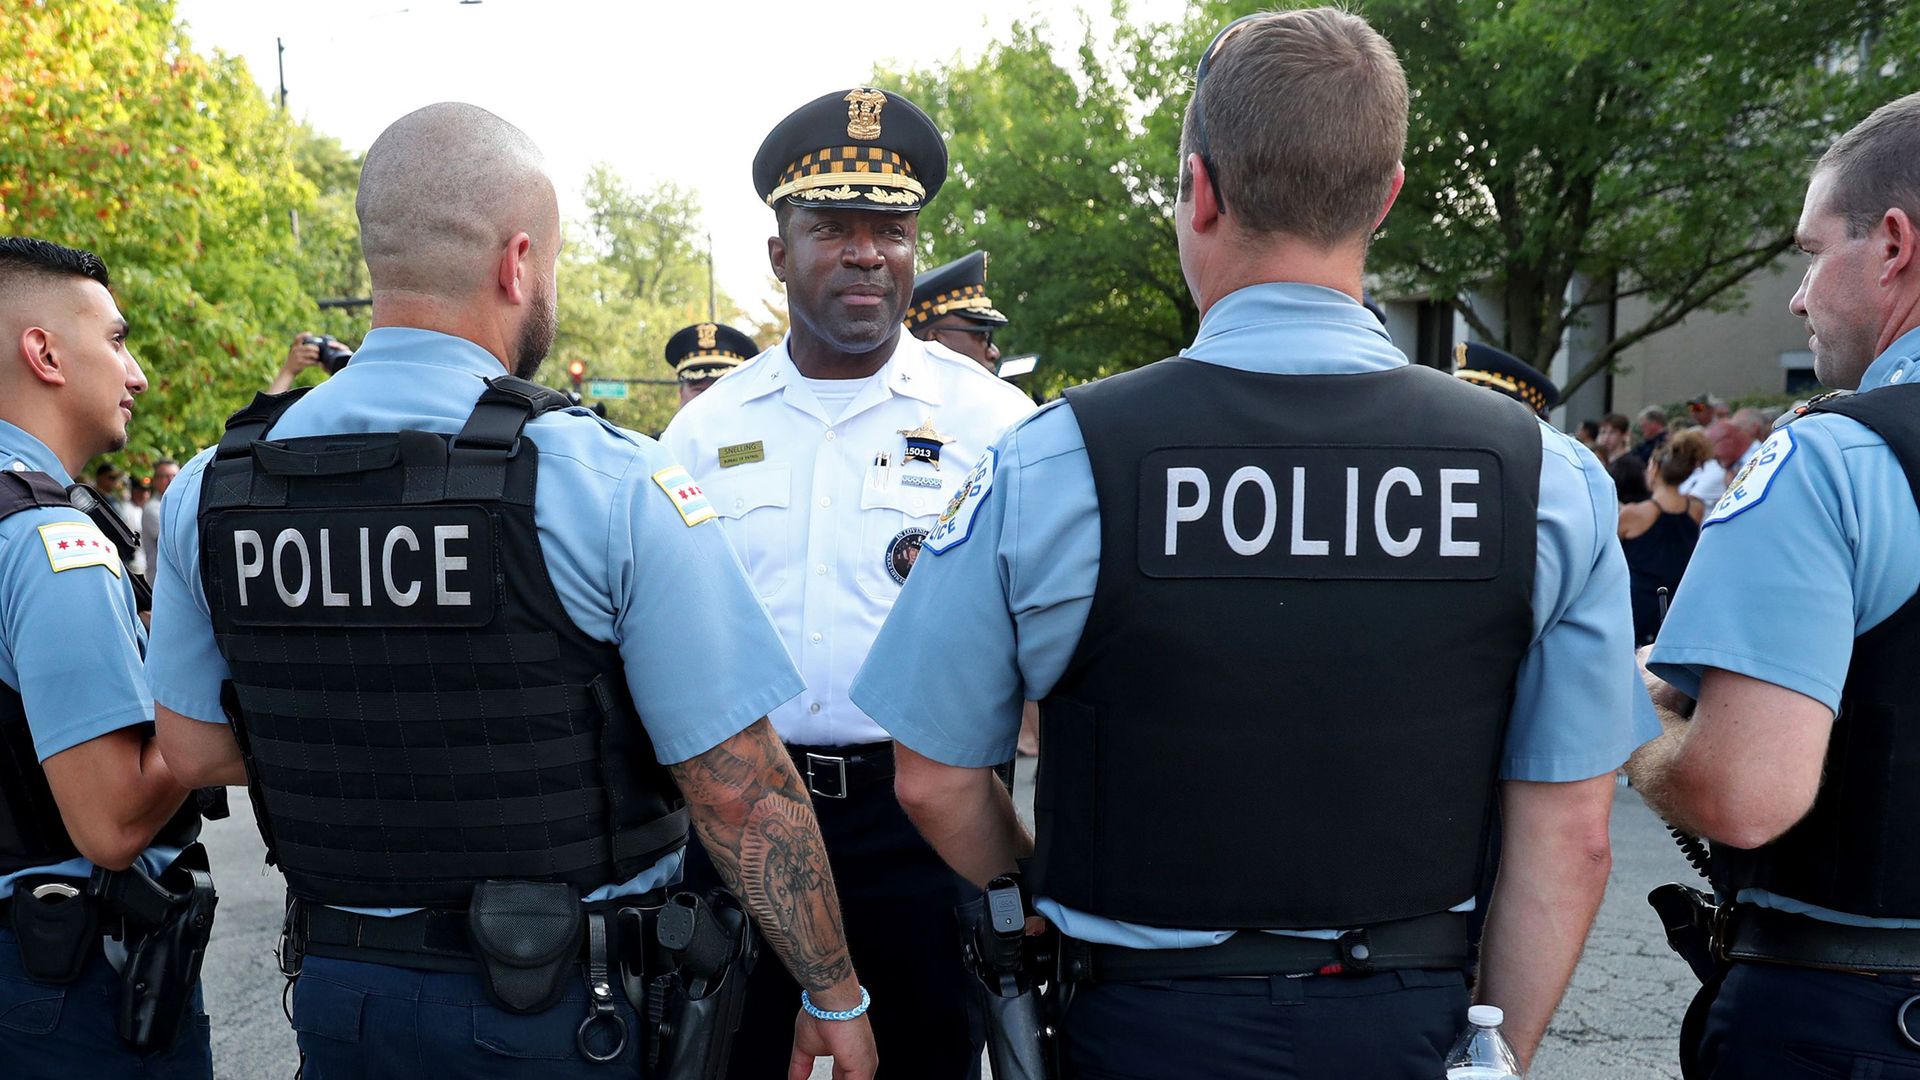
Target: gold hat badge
{"x":863,"y":114}
{"x":707,"y":333}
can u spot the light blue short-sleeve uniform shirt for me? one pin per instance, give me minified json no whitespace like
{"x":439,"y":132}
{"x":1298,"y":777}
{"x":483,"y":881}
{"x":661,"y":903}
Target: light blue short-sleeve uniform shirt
{"x":70,"y":640}
{"x":1810,"y":548}
{"x":1013,"y":578}
{"x":627,"y":566}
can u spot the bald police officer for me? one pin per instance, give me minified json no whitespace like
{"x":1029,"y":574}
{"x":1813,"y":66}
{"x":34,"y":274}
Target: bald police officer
{"x":1792,"y":647}
{"x":448,"y":619}
{"x":703,"y":352}
{"x":1293,"y":633}
{"x":828,"y":457}
{"x":951,"y":306}
{"x":82,"y":782}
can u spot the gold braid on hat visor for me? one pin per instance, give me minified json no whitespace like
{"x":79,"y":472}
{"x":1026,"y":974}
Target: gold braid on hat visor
{"x":838,"y":173}
{"x":1496,"y":381}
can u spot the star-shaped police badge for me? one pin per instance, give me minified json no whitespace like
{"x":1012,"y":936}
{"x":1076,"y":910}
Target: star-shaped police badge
{"x":924,"y":443}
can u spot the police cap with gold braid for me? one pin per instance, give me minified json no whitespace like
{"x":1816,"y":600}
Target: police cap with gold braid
{"x":859,"y":149}
{"x":705,"y":350}
{"x":1504,"y":373}
{"x":958,"y":288}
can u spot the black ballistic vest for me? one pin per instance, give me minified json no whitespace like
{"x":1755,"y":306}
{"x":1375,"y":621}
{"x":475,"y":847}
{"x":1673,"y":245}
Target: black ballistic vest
{"x":416,"y":710}
{"x":1858,"y":849}
{"x":32,"y":832}
{"x":1287,"y":707}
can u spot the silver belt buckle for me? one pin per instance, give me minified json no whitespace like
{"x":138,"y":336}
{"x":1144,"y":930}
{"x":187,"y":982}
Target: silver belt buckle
{"x":836,"y":767}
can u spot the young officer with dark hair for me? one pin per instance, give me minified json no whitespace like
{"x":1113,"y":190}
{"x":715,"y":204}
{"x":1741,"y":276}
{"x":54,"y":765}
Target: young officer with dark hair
{"x":1799,"y":762}
{"x":456,"y":667}
{"x":82,"y":782}
{"x":1297,"y":614}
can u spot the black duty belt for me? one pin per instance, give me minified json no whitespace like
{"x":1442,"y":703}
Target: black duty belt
{"x":836,"y":772}
{"x":1429,"y":941}
{"x":432,"y":939}
{"x":1766,"y":936}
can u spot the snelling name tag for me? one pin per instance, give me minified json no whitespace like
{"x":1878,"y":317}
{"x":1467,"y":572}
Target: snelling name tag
{"x":743,"y":453}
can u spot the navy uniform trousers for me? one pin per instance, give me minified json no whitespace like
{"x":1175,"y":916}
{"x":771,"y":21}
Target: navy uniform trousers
{"x":1388,"y":1026}
{"x":1781,"y":1023}
{"x":359,"y":1021}
{"x":896,"y":899}
{"x":67,"y":1032}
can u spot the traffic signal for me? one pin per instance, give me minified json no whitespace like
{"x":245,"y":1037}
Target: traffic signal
{"x":577,"y":369}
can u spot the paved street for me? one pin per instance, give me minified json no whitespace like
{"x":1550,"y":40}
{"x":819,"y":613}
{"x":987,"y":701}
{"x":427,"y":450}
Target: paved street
{"x":1617,"y":1023}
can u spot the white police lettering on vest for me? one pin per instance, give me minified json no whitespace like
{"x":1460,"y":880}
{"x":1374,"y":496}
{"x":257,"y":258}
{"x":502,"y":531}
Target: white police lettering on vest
{"x":1320,"y":512}
{"x":387,"y":567}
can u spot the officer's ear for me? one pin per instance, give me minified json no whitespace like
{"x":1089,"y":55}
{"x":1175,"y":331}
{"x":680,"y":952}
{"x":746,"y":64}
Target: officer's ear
{"x":1206,"y":197}
{"x":36,"y":353}
{"x":515,"y":270}
{"x":777,"y":257}
{"x":1900,"y":242}
{"x":1393,"y":193}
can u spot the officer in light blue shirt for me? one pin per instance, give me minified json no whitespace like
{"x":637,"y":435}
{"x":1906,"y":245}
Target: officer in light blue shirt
{"x":1038,"y":575}
{"x":633,"y":617}
{"x":82,"y":783}
{"x":1793,"y":630}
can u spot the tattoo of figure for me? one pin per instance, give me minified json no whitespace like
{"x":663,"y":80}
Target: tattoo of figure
{"x":756,"y":821}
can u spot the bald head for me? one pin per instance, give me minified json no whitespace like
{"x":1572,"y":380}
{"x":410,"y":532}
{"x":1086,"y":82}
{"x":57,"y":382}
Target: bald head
{"x":444,"y":188}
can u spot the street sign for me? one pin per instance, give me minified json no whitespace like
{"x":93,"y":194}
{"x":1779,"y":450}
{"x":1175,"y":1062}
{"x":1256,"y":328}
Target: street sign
{"x":602,"y":388}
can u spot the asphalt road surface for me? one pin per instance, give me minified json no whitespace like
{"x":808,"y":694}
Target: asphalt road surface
{"x":1618,"y":1022}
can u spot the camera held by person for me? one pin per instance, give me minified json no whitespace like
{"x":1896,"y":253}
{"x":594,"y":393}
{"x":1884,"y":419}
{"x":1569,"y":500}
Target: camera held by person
{"x":308,"y":350}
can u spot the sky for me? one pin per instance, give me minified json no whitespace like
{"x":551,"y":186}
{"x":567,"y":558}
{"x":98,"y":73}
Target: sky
{"x":680,"y":92}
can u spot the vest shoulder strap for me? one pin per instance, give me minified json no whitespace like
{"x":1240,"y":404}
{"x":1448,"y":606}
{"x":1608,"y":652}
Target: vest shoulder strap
{"x":1893,"y":413}
{"x":503,"y":411}
{"x":30,"y":490}
{"x":252,"y":423}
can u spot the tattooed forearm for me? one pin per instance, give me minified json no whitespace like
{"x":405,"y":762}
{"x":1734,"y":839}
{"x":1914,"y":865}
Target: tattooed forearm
{"x":756,"y":821}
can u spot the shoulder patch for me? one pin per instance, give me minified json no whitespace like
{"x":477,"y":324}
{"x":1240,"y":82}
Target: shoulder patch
{"x":956,"y":523}
{"x":73,"y":544}
{"x":686,"y":495}
{"x":1749,"y":489}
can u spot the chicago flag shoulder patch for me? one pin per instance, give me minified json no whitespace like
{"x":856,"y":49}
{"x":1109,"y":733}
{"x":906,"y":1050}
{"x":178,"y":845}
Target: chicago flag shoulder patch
{"x":693,"y":504}
{"x":73,"y":544}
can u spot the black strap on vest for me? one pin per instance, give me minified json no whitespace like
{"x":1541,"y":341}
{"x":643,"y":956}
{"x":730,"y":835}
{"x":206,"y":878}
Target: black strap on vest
{"x":1854,"y":851}
{"x":32,"y":833}
{"x":447,"y":723}
{"x":1287,"y":707}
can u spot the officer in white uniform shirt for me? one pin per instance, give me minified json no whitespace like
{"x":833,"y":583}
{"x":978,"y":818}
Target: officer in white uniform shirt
{"x":828,"y":458}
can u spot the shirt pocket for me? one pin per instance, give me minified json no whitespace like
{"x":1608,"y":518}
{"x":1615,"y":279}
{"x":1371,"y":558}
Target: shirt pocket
{"x":893,"y":521}
{"x":753,"y":501}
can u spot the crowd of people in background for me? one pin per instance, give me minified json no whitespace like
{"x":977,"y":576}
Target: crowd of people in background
{"x":1667,"y":473}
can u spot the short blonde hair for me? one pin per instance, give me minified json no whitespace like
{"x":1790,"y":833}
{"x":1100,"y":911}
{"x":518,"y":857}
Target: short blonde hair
{"x":1304,"y":115}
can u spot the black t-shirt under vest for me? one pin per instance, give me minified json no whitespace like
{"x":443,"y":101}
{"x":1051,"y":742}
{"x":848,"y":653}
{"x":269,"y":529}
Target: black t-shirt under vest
{"x":1858,"y":849}
{"x":1287,"y":707}
{"x":416,"y":709}
{"x":32,"y":833}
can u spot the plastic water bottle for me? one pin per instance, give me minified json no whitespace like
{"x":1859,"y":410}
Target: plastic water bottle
{"x":1482,"y":1053}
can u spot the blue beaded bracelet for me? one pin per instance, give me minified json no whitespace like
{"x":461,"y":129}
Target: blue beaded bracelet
{"x":845,"y":1014}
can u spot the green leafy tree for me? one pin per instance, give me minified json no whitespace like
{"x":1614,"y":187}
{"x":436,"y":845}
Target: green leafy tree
{"x":115,"y":135}
{"x":1564,"y":153}
{"x":1561,"y":154}
{"x":633,"y":273}
{"x":1063,"y":168}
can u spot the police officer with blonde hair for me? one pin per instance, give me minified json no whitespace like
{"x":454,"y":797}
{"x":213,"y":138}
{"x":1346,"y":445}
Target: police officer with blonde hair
{"x":1297,"y":614}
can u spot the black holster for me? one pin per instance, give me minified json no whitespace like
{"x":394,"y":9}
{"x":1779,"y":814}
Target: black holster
{"x":56,"y":924}
{"x":528,"y":935}
{"x":1694,"y":923}
{"x":707,"y":947}
{"x":165,"y":923}
{"x":994,"y":940}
